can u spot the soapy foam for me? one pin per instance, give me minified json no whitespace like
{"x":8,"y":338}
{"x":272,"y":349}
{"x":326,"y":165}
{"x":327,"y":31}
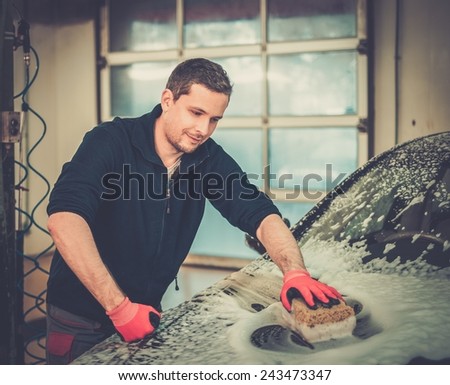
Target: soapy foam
{"x":407,"y":316}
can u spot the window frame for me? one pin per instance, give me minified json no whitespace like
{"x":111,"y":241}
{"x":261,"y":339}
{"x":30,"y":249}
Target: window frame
{"x":265,"y":49}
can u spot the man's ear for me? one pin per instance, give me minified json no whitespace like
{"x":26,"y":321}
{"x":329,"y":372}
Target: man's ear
{"x":166,"y":99}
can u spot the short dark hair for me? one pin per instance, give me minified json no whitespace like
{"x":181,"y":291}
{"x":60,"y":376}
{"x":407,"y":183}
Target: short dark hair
{"x":198,"y":71}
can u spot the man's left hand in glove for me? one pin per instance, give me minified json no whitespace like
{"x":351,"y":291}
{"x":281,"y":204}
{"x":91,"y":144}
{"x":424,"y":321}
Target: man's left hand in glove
{"x":299,"y":284}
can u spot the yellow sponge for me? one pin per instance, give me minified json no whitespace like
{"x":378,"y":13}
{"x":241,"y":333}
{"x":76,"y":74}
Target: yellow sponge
{"x":323,"y":323}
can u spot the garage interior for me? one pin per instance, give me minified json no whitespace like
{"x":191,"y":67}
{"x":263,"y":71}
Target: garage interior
{"x":58,"y":66}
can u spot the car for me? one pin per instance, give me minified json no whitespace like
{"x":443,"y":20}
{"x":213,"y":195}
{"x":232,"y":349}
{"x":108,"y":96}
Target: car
{"x":381,"y":237}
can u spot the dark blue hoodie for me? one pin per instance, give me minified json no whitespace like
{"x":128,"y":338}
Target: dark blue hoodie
{"x":144,"y":226}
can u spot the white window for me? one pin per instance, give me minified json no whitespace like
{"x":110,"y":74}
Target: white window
{"x":299,"y":70}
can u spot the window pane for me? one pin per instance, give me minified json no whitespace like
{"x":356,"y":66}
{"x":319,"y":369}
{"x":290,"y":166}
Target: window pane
{"x":212,"y":23}
{"x":293,"y":211}
{"x":313,"y":84}
{"x":310,"y":19}
{"x":245,"y":146}
{"x":137,"y":88}
{"x":311,"y":159}
{"x":217,"y":237}
{"x":246,"y":75}
{"x":139,"y":25}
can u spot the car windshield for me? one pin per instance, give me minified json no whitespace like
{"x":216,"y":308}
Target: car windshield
{"x":397,"y":209}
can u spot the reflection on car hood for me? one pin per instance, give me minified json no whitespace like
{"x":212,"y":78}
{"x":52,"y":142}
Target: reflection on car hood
{"x":406,"y":316}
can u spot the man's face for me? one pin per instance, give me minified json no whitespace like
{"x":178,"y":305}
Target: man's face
{"x":191,"y":120}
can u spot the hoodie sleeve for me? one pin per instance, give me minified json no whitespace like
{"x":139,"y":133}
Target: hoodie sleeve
{"x":229,"y":190}
{"x":79,"y":187}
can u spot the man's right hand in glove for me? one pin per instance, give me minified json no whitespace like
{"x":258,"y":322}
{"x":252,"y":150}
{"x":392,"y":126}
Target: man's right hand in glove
{"x":134,"y":321}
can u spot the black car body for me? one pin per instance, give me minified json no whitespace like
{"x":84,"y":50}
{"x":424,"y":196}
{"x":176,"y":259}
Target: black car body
{"x":382,"y":238}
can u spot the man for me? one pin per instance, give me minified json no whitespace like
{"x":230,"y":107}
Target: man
{"x":124,"y":212}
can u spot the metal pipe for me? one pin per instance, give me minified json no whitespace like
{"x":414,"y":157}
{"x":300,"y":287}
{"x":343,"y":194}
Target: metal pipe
{"x":398,"y":6}
{"x":11,"y":267}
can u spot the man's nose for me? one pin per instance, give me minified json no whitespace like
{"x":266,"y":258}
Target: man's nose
{"x":203,"y":127}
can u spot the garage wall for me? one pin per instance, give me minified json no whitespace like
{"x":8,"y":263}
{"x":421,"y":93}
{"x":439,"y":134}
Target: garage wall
{"x":423,"y":77}
{"x":64,"y":95}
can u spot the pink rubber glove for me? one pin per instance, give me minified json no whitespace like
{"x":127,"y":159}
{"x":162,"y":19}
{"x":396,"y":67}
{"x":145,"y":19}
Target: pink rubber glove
{"x":134,"y":321}
{"x":298,"y":283}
